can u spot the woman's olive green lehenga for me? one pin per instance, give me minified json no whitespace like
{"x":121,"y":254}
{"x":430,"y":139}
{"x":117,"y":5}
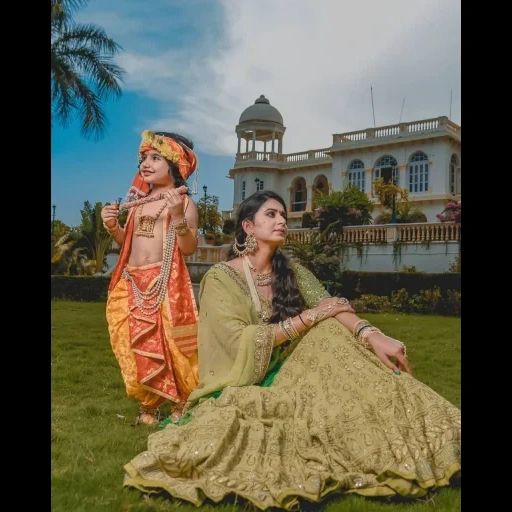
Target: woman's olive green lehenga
{"x":322,"y":416}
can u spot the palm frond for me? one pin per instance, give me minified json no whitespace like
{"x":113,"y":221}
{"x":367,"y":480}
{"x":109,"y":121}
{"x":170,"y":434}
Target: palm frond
{"x":92,"y":66}
{"x":63,"y":98}
{"x":90,"y":36}
{"x":61,"y":250}
{"x":72,"y":235}
{"x":62,"y":240}
{"x":83,"y":72}
{"x":61,"y":13}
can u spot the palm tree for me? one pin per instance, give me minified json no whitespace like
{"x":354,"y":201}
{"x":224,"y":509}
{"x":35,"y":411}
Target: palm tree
{"x":83,"y":249}
{"x":67,"y":259}
{"x":59,"y":229}
{"x":95,"y":237}
{"x":83,"y":72}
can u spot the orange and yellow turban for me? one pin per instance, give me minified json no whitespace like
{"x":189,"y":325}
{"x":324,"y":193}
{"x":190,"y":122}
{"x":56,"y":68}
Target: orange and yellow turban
{"x":184,"y":158}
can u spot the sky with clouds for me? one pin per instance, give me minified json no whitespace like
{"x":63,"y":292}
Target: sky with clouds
{"x":193,"y":66}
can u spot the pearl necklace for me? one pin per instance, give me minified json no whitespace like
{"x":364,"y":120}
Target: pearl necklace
{"x":159,"y":289}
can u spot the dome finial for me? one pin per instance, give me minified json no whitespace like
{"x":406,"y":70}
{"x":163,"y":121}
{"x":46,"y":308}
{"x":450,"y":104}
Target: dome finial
{"x":262,"y":99}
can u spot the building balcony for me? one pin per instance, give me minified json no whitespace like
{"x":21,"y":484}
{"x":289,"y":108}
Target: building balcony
{"x":382,"y":135}
{"x":272,"y":160}
{"x":396,"y":133}
{"x":424,"y":232}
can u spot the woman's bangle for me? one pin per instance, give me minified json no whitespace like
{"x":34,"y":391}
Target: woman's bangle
{"x":287,"y":334}
{"x":363,"y":338}
{"x":300,"y":318}
{"x":359,"y":323}
{"x":291,"y":328}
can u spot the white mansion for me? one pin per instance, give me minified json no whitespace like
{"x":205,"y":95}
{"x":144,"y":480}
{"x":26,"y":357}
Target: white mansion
{"x":422,"y":156}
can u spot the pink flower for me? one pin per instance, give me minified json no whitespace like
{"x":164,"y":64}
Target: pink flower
{"x":453,"y":211}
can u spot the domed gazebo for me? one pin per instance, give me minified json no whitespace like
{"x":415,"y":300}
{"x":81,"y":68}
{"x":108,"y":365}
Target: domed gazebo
{"x":261,"y":122}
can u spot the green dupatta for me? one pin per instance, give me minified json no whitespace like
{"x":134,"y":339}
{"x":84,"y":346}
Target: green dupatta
{"x":235,"y":347}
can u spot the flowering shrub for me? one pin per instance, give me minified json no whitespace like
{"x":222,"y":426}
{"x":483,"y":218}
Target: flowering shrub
{"x":451,"y":213}
{"x":348,"y":207}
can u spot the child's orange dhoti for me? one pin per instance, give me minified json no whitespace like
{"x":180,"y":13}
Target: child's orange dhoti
{"x":157,"y":353}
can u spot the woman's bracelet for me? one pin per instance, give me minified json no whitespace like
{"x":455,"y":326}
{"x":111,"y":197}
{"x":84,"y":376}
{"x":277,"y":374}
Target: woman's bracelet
{"x":289,"y":330}
{"x":358,"y":324}
{"x":362,"y":328}
{"x":286,"y":333}
{"x":300,"y":318}
{"x":363,"y":337}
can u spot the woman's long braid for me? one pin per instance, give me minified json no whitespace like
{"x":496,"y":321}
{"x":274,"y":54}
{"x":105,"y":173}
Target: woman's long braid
{"x":287,"y":300}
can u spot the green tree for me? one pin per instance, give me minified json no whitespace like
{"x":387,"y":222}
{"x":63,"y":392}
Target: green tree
{"x":406,"y":213}
{"x":385,"y":190}
{"x":348,"y":207}
{"x":308,"y":220}
{"x":210,"y":219}
{"x":68,"y":259}
{"x":58,"y":230}
{"x":321,"y":254}
{"x":83,"y":73}
{"x":95,"y":238}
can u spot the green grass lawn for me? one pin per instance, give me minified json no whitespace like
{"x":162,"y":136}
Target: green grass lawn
{"x":93,"y":436}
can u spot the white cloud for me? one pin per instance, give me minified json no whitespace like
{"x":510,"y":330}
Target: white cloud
{"x":151,"y":75}
{"x":315,"y":61}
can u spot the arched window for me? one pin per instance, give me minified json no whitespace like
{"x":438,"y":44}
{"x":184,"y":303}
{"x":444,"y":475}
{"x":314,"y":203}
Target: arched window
{"x":299,"y":195}
{"x":418,"y":173}
{"x":321,"y":185}
{"x":356,"y":174}
{"x":386,"y":167}
{"x":455,"y":181}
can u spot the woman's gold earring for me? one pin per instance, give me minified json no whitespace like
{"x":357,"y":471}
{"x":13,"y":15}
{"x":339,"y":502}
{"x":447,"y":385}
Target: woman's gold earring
{"x":252,"y":243}
{"x":248,"y":247}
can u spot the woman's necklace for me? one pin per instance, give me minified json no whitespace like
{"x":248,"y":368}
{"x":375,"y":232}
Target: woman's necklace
{"x":147,"y":222}
{"x":264,"y":315}
{"x":262,"y":279}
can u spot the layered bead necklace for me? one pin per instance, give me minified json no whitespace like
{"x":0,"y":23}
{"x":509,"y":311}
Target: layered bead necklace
{"x":159,"y":289}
